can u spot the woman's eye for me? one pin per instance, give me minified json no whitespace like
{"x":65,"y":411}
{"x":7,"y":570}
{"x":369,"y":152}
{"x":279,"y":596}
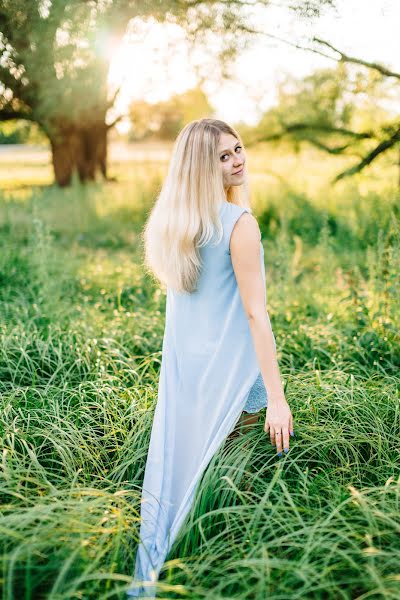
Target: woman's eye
{"x":227,"y":155}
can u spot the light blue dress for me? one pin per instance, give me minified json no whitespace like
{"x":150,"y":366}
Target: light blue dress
{"x":209,"y":374}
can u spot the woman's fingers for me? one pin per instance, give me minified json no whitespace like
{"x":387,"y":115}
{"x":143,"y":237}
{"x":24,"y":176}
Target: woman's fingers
{"x":278,"y":439}
{"x":282,"y":439}
{"x":279,"y":436}
{"x":271,"y":431}
{"x":285,"y":439}
{"x":272,"y":436}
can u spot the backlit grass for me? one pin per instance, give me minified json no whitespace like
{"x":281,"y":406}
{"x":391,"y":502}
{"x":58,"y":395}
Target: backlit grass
{"x":81,"y":332}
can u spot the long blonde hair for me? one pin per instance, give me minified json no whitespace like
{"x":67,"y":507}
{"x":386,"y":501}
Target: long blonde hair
{"x":185,"y":215}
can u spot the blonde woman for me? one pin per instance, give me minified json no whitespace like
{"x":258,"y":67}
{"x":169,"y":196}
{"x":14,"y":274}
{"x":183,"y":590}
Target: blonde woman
{"x":218,"y":356}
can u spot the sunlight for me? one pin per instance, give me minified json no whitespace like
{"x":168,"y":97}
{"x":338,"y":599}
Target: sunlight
{"x":152,"y":63}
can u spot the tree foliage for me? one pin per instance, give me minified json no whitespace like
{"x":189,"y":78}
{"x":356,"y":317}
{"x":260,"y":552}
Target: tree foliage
{"x":55,"y":55}
{"x":340,"y":111}
{"x":165,"y":119}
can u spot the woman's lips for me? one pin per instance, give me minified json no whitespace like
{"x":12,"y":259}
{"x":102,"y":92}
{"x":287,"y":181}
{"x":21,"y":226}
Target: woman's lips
{"x":238,"y":172}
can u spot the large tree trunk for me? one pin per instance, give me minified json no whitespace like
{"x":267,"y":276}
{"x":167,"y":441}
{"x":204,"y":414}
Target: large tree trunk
{"x":92,"y":151}
{"x":80,"y":148}
{"x":63,"y":149}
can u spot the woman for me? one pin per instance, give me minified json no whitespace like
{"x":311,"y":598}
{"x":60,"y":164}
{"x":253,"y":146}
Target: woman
{"x":219,"y":355}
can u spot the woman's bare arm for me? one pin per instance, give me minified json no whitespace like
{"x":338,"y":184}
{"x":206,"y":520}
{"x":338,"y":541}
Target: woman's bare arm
{"x":245,"y":256}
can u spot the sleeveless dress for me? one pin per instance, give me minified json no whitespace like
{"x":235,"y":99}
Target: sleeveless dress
{"x":209,"y":374}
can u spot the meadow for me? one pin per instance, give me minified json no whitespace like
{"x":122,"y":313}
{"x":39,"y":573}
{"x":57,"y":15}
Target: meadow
{"x":81,"y":327}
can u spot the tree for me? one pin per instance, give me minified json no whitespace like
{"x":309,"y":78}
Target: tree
{"x":53,"y":75}
{"x":165,"y":119}
{"x":315,"y":110}
{"x":55,"y":55}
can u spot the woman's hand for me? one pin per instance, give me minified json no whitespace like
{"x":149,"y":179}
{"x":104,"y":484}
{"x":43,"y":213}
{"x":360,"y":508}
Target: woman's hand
{"x":278,"y":423}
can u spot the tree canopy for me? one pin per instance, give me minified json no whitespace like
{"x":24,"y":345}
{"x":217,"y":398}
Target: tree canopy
{"x":338,"y":110}
{"x":55,"y":56}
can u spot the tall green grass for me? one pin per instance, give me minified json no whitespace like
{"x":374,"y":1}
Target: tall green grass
{"x":81,"y":332}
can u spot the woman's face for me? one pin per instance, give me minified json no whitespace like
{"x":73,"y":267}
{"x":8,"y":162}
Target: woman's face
{"x":232,"y":160}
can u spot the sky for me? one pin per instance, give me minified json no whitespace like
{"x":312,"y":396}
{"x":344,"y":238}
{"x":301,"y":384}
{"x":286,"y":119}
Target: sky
{"x":153,"y":62}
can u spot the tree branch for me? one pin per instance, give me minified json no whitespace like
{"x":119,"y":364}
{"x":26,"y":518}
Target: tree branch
{"x":313,"y":127}
{"x":336,"y":150}
{"x":358,"y":61}
{"x":382,"y":147}
{"x":9,"y":115}
{"x":116,"y":120}
{"x":330,"y":129}
{"x":113,"y":98}
{"x":343,"y":57}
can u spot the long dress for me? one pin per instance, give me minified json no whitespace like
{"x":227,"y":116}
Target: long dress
{"x":209,"y":374}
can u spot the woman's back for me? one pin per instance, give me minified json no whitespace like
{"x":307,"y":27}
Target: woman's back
{"x":208,"y":369}
{"x":201,"y":317}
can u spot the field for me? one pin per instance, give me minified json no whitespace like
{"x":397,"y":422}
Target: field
{"x":81,"y":329}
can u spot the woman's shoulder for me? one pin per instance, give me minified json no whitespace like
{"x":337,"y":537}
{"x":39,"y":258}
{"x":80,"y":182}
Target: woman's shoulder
{"x":231,"y":210}
{"x":230,"y":215}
